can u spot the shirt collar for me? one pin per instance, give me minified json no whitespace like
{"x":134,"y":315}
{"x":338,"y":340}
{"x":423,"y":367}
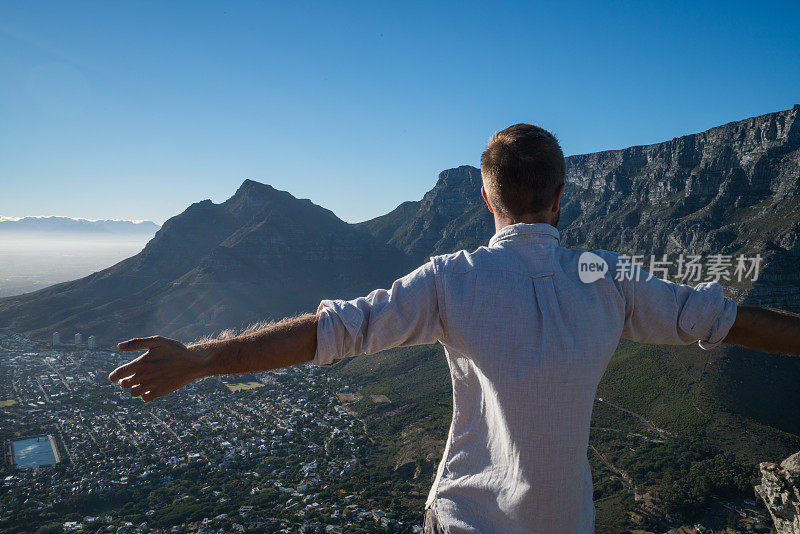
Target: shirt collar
{"x":540,"y":232}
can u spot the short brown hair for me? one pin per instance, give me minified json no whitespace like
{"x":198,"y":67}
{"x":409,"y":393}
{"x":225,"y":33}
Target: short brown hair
{"x":522,"y":169}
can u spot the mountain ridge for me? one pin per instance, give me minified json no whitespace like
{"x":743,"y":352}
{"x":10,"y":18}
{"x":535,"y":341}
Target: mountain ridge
{"x":199,"y":274}
{"x":705,"y":192}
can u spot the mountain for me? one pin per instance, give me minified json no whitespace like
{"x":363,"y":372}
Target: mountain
{"x":450,"y":217}
{"x":262,"y":254}
{"x":60,"y":225}
{"x":730,"y":190}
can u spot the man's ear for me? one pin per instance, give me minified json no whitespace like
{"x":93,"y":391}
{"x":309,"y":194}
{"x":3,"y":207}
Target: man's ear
{"x":485,"y":199}
{"x":557,"y":202}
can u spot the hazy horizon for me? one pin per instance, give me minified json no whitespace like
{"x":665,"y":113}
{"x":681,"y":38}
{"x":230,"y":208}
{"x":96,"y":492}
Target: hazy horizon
{"x":4,"y":218}
{"x":32,"y":261}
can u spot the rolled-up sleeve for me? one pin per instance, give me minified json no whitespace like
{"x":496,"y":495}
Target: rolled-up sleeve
{"x":662,"y":312}
{"x":406,"y":314}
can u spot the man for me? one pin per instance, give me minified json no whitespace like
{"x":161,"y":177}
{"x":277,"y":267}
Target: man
{"x":527,"y":338}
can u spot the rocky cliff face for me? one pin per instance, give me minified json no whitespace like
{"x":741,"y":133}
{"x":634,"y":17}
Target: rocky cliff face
{"x":730,"y":190}
{"x":451,"y":216}
{"x":712,"y":182}
{"x":780,"y":491}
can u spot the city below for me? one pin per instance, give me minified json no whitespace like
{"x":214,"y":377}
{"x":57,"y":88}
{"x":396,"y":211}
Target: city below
{"x":271,"y":452}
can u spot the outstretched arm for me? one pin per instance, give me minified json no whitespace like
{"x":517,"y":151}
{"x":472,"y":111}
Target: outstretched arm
{"x":169,"y":365}
{"x":766,"y":330}
{"x":406,"y":314}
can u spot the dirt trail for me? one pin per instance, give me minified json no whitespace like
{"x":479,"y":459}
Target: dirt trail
{"x":650,"y":426}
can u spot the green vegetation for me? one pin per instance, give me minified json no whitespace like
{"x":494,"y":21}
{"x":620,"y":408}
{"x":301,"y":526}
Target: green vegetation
{"x":243,"y":386}
{"x":408,"y":433}
{"x":720,"y":413}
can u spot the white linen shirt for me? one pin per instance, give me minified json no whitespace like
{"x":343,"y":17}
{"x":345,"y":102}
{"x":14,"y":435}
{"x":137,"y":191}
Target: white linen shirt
{"x":527,"y":343}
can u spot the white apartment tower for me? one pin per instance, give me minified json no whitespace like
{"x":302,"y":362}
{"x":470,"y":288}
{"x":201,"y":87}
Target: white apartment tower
{"x":78,"y":340}
{"x":56,"y":339}
{"x":92,"y":342}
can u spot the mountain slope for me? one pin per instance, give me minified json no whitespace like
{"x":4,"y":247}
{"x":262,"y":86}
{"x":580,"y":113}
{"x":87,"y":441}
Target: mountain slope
{"x":732,"y":189}
{"x":450,"y":217}
{"x":261,"y":254}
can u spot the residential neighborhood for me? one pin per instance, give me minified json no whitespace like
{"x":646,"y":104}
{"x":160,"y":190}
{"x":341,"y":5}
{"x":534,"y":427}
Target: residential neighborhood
{"x":270,"y":452}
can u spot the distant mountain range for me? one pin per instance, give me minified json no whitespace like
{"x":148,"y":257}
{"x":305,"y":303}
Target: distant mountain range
{"x":264,"y":254}
{"x":58,"y":225}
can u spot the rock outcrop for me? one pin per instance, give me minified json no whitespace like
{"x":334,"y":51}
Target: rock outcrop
{"x":450,"y":217}
{"x":780,"y":491}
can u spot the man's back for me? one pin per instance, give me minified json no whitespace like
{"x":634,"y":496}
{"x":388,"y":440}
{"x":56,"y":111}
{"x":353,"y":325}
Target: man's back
{"x":527,"y":342}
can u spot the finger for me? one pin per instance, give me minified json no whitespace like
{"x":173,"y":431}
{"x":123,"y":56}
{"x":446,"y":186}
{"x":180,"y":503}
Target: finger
{"x":153,"y":394}
{"x":137,"y":378}
{"x":126,"y":370}
{"x":141,"y":343}
{"x":128,"y":382}
{"x":139,"y":389}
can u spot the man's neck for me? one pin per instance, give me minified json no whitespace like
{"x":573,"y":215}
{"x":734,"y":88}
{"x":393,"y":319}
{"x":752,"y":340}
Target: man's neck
{"x":501,"y":221}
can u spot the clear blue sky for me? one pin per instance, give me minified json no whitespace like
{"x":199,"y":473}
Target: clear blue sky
{"x":136,"y":109}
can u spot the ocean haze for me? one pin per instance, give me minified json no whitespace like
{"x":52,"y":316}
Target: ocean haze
{"x":37,"y":252}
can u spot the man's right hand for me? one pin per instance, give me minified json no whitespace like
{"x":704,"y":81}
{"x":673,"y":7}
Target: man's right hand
{"x":166,"y":366}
